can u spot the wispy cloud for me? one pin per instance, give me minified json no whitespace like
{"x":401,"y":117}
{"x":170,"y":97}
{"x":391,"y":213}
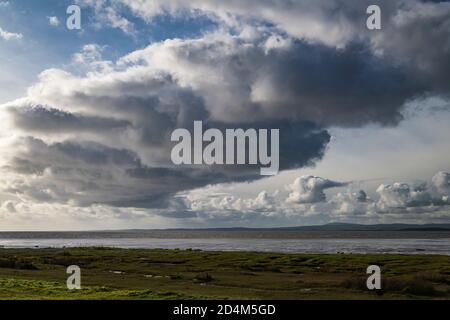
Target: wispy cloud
{"x":6,"y":35}
{"x":53,"y":21}
{"x":108,"y":14}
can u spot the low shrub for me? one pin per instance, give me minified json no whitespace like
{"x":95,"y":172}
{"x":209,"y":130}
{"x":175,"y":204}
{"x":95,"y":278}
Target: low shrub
{"x":13,"y":263}
{"x":204,"y":277}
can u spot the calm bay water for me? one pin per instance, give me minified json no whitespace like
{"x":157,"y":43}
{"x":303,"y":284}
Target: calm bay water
{"x":304,"y":242}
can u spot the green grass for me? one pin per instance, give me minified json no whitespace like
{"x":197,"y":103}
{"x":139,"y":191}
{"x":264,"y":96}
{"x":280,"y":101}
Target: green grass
{"x":190,"y":274}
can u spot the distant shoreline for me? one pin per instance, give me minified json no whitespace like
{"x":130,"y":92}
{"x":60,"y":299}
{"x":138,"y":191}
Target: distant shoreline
{"x":373,"y":229}
{"x":323,"y":243}
{"x":229,"y":234}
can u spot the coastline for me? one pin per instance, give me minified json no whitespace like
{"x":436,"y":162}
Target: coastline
{"x":273,"y":241}
{"x":229,"y":234}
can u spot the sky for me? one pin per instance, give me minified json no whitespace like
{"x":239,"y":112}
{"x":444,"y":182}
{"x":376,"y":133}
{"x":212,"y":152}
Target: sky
{"x":87,"y":114}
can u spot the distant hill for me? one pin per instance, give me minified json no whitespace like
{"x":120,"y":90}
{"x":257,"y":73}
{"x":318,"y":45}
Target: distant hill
{"x":343,"y":227}
{"x":372,"y":227}
{"x":340,"y":230}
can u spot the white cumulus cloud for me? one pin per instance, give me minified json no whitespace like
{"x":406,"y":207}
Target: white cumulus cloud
{"x":6,"y":35}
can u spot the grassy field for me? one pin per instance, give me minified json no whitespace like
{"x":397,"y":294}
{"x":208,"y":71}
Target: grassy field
{"x":189,"y":274}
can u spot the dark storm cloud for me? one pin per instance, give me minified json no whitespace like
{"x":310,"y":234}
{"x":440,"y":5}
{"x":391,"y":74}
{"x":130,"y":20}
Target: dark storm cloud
{"x":302,"y":144}
{"x":25,"y":166}
{"x":105,"y":137}
{"x":347,"y":87}
{"x":52,"y":120}
{"x":415,"y":34}
{"x":418,"y":37}
{"x":91,"y":173}
{"x":86,"y":172}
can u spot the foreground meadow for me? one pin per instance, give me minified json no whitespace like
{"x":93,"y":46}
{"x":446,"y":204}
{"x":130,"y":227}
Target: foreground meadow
{"x":189,"y":274}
